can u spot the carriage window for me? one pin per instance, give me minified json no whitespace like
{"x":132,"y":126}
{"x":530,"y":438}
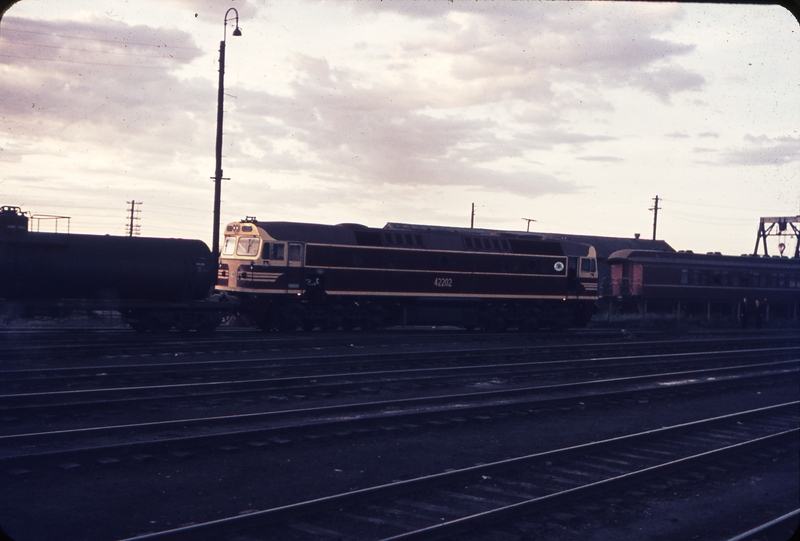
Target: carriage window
{"x":265,"y":251}
{"x":230,"y":246}
{"x":295,"y":252}
{"x":717,"y":278}
{"x":389,"y":238}
{"x":684,"y":276}
{"x":724,"y":278}
{"x":277,"y":252}
{"x":418,"y":239}
{"x":409,"y":240}
{"x":248,"y":246}
{"x":695,"y":277}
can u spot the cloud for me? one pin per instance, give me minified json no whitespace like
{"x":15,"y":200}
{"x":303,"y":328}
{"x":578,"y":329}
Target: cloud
{"x":477,"y":98}
{"x":607,"y":159}
{"x":111,"y":84}
{"x":333,"y":128}
{"x":764,"y":150}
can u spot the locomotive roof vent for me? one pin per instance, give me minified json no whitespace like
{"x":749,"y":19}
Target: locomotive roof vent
{"x":353,"y":226}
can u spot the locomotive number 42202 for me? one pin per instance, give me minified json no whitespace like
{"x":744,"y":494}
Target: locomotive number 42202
{"x":443,"y":282}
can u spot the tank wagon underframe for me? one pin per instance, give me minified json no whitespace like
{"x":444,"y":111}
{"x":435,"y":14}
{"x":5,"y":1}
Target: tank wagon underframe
{"x":285,"y":278}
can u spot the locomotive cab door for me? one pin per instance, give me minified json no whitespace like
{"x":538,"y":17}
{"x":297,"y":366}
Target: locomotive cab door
{"x":572,"y":276}
{"x":290,"y":256}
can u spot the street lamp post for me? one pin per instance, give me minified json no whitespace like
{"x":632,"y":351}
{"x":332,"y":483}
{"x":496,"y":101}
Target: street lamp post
{"x":220,"y":95}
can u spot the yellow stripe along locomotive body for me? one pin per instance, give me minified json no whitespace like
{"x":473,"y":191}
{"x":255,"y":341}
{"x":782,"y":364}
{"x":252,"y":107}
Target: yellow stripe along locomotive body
{"x":288,"y":275}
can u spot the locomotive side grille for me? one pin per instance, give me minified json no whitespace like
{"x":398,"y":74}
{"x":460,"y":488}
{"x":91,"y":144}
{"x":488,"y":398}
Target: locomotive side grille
{"x":259,"y":276}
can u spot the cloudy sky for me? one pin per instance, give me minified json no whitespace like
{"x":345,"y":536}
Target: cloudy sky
{"x":575,"y":114}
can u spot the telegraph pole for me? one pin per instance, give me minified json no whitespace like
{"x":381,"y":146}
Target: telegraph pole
{"x":529,"y":220}
{"x":132,"y":228}
{"x":655,"y":217}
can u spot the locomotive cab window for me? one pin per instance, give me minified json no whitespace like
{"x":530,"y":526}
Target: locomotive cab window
{"x":588,"y":265}
{"x":229,"y":247}
{"x":248,"y":246}
{"x":295,"y":252}
{"x":277,"y":252}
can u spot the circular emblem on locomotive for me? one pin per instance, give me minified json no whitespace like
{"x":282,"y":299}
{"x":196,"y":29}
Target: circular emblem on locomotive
{"x":559,"y":266}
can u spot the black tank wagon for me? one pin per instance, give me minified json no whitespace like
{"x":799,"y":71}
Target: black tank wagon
{"x":289,"y":275}
{"x":154,"y":283}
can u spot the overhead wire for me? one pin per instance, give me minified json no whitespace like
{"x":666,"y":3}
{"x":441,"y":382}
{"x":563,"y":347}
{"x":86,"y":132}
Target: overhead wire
{"x":126,"y":53}
{"x":96,"y":39}
{"x":2,"y":55}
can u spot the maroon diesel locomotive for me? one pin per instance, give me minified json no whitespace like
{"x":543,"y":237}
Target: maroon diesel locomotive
{"x":288,"y":275}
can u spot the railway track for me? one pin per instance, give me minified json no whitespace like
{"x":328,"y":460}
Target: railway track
{"x":451,"y":503}
{"x":621,"y":376}
{"x":268,"y":430}
{"x":62,"y":345}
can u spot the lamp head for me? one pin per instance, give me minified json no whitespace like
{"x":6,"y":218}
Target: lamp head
{"x":237,"y":32}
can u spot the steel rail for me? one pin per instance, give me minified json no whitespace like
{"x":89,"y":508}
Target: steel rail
{"x":767,"y":526}
{"x":463,"y":524}
{"x":305,"y":426}
{"x":524,"y":348}
{"x":417,"y":403}
{"x":228,"y":525}
{"x":622,"y":360}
